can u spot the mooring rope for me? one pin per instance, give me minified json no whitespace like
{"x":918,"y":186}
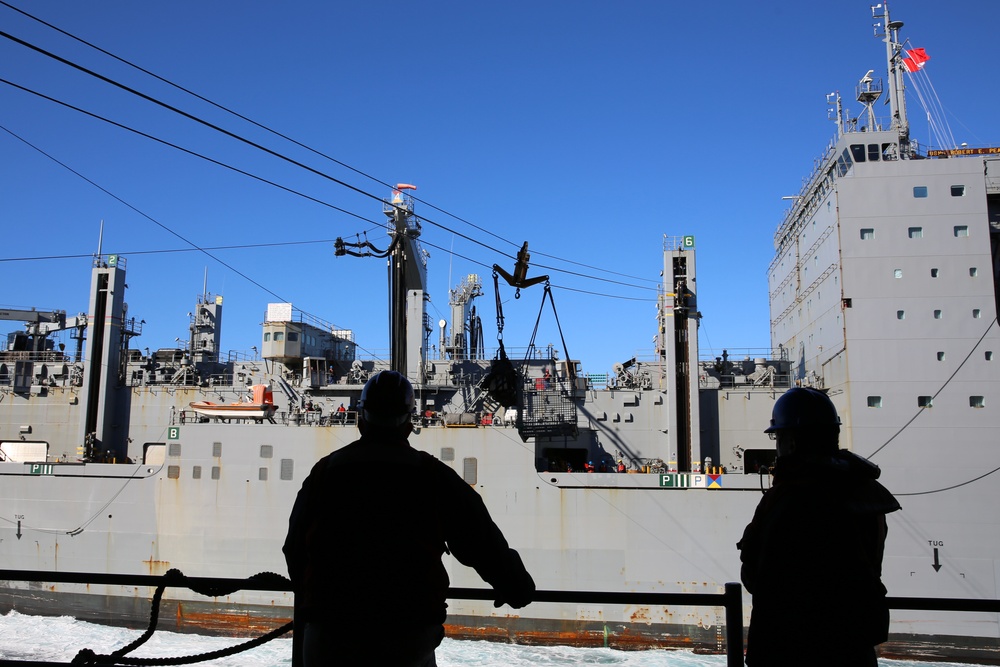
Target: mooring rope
{"x":176,"y":578}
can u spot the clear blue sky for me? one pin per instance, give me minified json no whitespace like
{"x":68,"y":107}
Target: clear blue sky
{"x":589,"y":129}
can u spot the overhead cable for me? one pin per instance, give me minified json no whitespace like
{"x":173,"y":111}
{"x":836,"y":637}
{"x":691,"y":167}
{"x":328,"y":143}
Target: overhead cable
{"x":295,"y":142}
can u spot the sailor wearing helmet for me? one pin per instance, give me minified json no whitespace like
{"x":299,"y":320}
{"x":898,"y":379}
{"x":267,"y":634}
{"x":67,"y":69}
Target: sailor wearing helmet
{"x":812,"y":555}
{"x":366,"y":536}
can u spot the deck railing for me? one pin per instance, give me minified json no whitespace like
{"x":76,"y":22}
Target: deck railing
{"x":731,"y":600}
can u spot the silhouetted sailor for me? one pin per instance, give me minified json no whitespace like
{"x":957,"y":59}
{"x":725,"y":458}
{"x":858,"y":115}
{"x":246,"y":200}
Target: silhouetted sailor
{"x":812,"y":555}
{"x":366,"y":536}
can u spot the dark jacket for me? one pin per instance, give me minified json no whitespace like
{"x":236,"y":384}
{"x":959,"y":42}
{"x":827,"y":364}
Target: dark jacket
{"x":812,"y":559}
{"x":367,"y":532}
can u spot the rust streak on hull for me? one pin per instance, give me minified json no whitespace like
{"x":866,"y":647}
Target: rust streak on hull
{"x":581,"y":638}
{"x":233,"y":624}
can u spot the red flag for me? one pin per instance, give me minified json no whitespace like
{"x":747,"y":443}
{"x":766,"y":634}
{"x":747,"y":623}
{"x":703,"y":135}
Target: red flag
{"x":916,"y":60}
{"x":918,"y":56}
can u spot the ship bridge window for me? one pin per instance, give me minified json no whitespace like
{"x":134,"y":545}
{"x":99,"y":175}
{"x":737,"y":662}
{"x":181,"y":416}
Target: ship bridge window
{"x":844,"y":163}
{"x":977,"y":402}
{"x":279,"y":336}
{"x":961,"y":230}
{"x":889,"y":152}
{"x":292,"y":336}
{"x":858,"y":152}
{"x":267,"y":336}
{"x":874,"y":152}
{"x":915,"y":232}
{"x":920,"y":191}
{"x":958,"y":191}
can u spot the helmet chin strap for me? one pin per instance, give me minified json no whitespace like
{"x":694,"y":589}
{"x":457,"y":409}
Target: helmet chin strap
{"x":786,"y":444}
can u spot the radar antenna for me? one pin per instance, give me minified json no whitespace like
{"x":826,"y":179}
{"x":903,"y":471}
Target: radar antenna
{"x":894,"y":59}
{"x":869,"y":90}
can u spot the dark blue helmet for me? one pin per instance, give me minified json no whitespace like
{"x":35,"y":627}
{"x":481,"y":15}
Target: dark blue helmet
{"x":387,"y":399}
{"x":803,"y":408}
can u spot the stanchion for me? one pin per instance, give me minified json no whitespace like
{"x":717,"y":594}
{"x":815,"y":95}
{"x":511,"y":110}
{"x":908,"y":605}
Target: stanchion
{"x":297,"y":632}
{"x":734,"y":625}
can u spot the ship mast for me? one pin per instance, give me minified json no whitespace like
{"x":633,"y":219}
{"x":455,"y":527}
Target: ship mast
{"x":407,"y":286}
{"x":408,"y":325}
{"x":893,"y":51}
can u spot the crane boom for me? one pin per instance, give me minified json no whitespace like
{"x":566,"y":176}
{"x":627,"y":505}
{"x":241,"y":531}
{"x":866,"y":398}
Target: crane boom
{"x":34,"y":317}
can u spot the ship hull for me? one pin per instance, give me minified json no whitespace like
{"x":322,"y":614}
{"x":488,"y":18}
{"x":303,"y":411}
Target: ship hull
{"x":577,"y":531}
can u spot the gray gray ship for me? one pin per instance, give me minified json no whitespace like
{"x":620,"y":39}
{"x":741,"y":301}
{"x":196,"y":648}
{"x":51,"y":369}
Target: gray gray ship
{"x":883,"y":291}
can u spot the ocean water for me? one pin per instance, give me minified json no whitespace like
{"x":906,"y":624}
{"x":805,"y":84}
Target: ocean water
{"x":59,"y":639}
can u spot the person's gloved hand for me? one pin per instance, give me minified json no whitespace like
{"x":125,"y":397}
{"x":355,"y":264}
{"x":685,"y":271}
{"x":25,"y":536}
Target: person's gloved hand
{"x":517,"y":593}
{"x":514,"y":602}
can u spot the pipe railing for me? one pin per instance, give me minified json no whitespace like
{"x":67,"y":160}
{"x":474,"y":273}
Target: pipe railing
{"x":731,"y":599}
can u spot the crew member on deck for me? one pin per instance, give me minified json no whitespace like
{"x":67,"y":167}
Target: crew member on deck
{"x":812,"y":556}
{"x":364,"y":550}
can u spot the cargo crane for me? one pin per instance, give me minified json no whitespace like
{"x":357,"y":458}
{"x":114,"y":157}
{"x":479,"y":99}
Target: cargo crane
{"x":38,"y":325}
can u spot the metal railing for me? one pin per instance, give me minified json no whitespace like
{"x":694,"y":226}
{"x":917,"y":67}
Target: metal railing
{"x":731,"y":600}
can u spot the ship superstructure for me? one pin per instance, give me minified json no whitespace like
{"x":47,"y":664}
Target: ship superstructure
{"x":883,"y":292}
